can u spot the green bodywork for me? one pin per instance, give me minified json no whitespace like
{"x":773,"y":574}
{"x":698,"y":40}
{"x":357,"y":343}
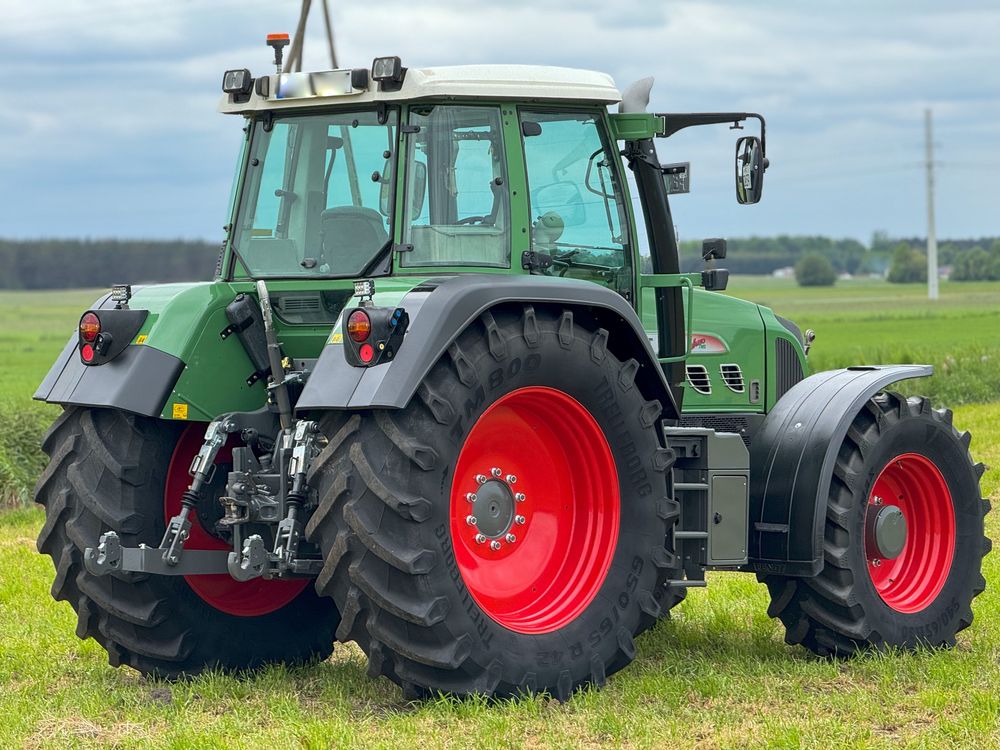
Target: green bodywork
{"x":185,"y":320}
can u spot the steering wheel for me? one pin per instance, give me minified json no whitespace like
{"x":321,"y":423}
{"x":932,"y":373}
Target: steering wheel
{"x":470,"y":220}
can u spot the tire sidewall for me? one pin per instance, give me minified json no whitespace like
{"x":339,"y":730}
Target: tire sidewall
{"x":614,"y":402}
{"x":937,"y":622}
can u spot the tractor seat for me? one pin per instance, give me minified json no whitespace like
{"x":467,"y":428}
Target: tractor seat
{"x":351,"y":235}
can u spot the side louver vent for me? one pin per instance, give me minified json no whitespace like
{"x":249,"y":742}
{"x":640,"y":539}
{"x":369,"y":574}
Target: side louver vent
{"x":787,"y":368}
{"x":300,"y":303}
{"x":697,"y":378}
{"x":732,"y":376}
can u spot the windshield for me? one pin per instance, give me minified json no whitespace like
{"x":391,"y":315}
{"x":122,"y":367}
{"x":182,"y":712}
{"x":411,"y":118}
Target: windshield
{"x":318,"y":195}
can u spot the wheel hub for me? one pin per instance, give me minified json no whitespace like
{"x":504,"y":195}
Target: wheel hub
{"x":886,"y":531}
{"x":495,"y":509}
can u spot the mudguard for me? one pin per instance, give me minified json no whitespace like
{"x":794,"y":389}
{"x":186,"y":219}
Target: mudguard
{"x":440,"y":309}
{"x":137,"y":380}
{"x":791,"y":464}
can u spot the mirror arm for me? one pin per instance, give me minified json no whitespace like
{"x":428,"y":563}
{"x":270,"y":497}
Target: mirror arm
{"x":672,"y":123}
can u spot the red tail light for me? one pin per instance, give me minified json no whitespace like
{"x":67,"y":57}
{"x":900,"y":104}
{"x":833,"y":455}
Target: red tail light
{"x":359,"y":326}
{"x":87,"y":353}
{"x":90,"y":326}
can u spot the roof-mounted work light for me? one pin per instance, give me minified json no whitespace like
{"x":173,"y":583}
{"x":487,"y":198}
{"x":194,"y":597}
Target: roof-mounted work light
{"x":237,"y":81}
{"x":389,"y":72}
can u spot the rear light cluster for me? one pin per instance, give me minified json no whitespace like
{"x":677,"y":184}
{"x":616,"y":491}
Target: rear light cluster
{"x":94,"y":341}
{"x":374,"y":334}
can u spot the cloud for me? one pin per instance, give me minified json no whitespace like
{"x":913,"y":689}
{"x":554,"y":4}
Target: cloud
{"x":109,"y":128}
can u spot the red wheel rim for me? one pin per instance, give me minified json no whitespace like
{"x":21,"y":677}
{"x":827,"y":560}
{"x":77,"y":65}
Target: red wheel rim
{"x":247,"y":599}
{"x":543,"y":448}
{"x":911,"y":581}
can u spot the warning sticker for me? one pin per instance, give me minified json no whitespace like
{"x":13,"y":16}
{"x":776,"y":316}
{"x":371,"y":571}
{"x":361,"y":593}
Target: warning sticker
{"x":180,"y":411}
{"x":337,"y":338}
{"x":141,"y":339}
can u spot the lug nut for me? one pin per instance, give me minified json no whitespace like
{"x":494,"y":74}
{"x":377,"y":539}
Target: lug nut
{"x":519,"y":496}
{"x":480,"y":538}
{"x":519,"y":520}
{"x":471,"y":520}
{"x":496,"y":471}
{"x":511,"y":479}
{"x":876,"y":500}
{"x":494,"y":545}
{"x":876,"y":562}
{"x":510,"y":538}
{"x":481,"y":478}
{"x":471,"y":497}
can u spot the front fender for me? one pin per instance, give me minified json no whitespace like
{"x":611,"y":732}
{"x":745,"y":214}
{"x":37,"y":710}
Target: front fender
{"x":791,"y":463}
{"x":440,"y":309}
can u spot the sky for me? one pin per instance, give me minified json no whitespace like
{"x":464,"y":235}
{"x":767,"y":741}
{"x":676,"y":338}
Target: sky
{"x":108,"y":125}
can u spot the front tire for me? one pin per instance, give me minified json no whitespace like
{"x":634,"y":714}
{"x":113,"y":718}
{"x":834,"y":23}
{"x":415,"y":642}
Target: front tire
{"x":505,"y":532}
{"x":903,"y":540}
{"x":110,"y":470}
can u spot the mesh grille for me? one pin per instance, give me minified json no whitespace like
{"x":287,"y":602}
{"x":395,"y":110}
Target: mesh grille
{"x":732,"y":376}
{"x":697,"y":378}
{"x":788,"y":369}
{"x":740,"y":425}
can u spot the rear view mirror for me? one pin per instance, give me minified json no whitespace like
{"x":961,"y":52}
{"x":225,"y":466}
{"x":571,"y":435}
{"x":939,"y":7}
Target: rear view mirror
{"x":750,"y":166}
{"x":563,"y":198}
{"x":416,"y":188}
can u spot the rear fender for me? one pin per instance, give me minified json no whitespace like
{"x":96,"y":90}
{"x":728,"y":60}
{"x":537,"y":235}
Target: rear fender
{"x":440,"y":309}
{"x":791,"y":463}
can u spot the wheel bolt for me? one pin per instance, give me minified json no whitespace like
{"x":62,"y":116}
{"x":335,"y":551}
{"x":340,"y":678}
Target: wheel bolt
{"x":481,"y":478}
{"x":519,"y":496}
{"x":511,"y":479}
{"x":876,"y":500}
{"x":480,"y":538}
{"x":519,"y":520}
{"x":471,"y":497}
{"x":876,"y":562}
{"x":494,"y":545}
{"x":471,"y":520}
{"x":510,"y":538}
{"x":496,"y":471}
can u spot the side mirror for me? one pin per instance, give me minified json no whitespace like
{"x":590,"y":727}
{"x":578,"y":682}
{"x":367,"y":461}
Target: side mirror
{"x":750,"y":166}
{"x":416,"y":188}
{"x":562,"y":198}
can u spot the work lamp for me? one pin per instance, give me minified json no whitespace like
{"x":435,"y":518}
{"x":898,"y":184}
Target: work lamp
{"x":237,"y":81}
{"x":387,"y":69}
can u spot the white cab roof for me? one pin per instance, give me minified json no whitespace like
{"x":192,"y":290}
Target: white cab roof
{"x":521,"y":82}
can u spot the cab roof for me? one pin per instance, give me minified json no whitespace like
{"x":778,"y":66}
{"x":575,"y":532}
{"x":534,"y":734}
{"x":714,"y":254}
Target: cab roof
{"x":520,"y":82}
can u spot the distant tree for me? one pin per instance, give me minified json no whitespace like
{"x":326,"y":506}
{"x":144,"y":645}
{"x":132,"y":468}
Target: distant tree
{"x":972,"y":265}
{"x":814,"y":269}
{"x":908,"y":266}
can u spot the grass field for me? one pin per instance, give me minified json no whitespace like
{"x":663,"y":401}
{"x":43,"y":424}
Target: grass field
{"x":715,"y":676}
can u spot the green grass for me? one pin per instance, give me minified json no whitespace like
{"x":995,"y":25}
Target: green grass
{"x":716,"y":676}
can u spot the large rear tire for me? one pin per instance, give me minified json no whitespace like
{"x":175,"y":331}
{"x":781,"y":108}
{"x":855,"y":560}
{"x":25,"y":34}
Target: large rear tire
{"x":903,"y":541}
{"x":110,"y":471}
{"x":504,"y":533}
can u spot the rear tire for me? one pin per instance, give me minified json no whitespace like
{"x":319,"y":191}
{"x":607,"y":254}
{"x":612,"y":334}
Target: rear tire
{"x":921,"y":596}
{"x":107,"y":472}
{"x":551,"y":610}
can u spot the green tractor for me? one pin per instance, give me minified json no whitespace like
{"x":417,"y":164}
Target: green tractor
{"x":435,"y":402}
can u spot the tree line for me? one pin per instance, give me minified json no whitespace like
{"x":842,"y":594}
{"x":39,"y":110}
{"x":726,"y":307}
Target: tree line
{"x":67,"y":264}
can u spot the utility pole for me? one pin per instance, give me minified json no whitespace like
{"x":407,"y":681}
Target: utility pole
{"x":932,"y":262}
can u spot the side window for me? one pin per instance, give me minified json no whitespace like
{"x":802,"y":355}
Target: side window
{"x":577,"y":203}
{"x":457,"y":211}
{"x":276,"y":176}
